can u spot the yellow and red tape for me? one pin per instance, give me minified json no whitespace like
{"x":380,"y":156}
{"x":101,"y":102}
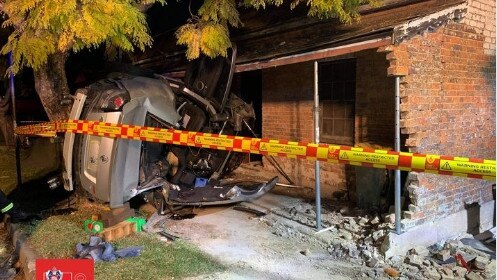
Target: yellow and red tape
{"x":431,"y":163}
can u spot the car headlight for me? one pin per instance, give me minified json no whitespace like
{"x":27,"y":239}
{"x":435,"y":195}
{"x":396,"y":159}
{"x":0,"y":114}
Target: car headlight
{"x":114,"y":99}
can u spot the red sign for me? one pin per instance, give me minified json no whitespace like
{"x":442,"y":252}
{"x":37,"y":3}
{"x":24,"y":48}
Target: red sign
{"x":64,"y":269}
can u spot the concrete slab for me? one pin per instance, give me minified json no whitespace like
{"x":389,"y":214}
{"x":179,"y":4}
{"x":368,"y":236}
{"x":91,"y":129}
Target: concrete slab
{"x":250,"y":250}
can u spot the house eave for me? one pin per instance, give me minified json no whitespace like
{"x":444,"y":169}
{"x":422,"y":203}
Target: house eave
{"x":428,"y":23}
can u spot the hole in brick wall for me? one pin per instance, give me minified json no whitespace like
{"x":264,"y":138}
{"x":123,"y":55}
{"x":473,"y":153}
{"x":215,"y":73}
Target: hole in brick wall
{"x":473,"y":212}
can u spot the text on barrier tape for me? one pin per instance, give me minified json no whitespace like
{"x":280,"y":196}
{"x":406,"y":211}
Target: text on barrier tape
{"x":446,"y":165}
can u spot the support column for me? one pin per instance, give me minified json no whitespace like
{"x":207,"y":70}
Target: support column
{"x":397,"y":149}
{"x":317,"y":187}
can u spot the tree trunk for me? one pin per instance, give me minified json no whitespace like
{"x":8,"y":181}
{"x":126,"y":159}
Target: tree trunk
{"x":51,"y":86}
{"x":6,"y":123}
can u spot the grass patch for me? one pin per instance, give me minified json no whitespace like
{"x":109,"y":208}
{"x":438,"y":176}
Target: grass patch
{"x":157,"y":261}
{"x":39,"y":160}
{"x":57,"y":236}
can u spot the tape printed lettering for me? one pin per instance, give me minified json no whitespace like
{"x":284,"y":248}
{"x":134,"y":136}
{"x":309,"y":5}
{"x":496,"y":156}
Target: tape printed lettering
{"x":213,"y":141}
{"x":485,"y":169}
{"x":283,"y":148}
{"x":374,"y":158}
{"x":106,"y":129}
{"x":160,"y":135}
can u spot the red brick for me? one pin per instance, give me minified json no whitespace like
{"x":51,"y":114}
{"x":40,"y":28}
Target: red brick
{"x":448,"y":107}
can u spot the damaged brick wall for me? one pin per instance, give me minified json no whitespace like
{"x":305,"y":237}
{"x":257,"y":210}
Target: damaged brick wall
{"x":375,"y":102}
{"x":448,"y":107}
{"x":287,"y":96}
{"x":481,"y":16}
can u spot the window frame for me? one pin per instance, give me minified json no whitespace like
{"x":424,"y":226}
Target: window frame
{"x":347,"y":101}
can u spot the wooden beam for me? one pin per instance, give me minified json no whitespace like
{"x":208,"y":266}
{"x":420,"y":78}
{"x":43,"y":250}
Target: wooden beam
{"x":316,"y":55}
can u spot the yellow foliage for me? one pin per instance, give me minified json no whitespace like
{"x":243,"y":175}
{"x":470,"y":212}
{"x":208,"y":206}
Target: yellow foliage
{"x":190,"y":35}
{"x":44,"y":27}
{"x":214,"y":39}
{"x":220,"y":11}
{"x":208,"y":32}
{"x":208,"y":38}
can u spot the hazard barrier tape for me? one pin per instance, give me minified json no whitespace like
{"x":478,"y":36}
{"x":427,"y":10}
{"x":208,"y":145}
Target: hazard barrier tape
{"x":431,"y":163}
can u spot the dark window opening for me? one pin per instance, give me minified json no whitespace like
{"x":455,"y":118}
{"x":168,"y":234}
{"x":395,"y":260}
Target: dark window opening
{"x":337,"y":97}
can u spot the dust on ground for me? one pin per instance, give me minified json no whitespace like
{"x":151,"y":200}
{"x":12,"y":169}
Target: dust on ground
{"x":284,"y":243}
{"x":260,"y":247}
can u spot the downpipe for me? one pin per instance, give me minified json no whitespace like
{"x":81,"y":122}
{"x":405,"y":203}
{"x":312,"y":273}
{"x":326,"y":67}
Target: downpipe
{"x":14,"y":120}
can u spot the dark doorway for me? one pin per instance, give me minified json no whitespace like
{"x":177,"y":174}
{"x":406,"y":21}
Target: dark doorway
{"x":251,"y":91}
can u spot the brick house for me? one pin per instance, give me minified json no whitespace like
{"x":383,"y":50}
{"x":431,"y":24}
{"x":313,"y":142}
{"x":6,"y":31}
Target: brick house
{"x":444,"y":54}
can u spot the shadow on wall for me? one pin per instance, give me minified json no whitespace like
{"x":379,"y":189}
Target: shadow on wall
{"x":489,"y":72}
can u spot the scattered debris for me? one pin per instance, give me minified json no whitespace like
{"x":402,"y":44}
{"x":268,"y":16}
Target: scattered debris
{"x":326,"y":229}
{"x":392,"y":272}
{"x":464,"y":259}
{"x":358,"y":239}
{"x":480,"y":262}
{"x":118,"y":231}
{"x":473,"y":276}
{"x":373,"y":262}
{"x":443,"y":255}
{"x":168,"y":235}
{"x":414,"y":260}
{"x":459,"y":271}
{"x":432,"y":273}
{"x":98,"y":250}
{"x":155,"y":223}
{"x":116,"y":215}
{"x":178,"y":216}
{"x":250,"y":210}
{"x":447,"y":273}
{"x":375,"y":220}
{"x":420,"y":251}
{"x":377,"y":235}
{"x":306,"y":252}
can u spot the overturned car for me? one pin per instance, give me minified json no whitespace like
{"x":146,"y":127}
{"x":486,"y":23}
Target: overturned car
{"x":116,"y":170}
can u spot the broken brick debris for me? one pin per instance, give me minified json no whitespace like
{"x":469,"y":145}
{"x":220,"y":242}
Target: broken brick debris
{"x":358,"y":239}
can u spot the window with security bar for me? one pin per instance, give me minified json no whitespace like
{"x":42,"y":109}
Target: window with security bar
{"x":337,"y":87}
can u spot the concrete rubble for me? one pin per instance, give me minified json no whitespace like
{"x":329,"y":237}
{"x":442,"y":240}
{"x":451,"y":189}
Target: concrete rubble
{"x":358,"y":239}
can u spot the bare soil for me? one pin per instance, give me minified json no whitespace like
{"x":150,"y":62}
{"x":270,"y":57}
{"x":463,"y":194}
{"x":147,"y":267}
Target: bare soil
{"x":7,"y":272}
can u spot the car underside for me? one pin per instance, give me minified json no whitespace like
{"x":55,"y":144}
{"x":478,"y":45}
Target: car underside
{"x":116,"y":170}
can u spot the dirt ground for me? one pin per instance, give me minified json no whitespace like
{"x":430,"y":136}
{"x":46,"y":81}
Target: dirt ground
{"x":6,"y":270}
{"x":259,"y":247}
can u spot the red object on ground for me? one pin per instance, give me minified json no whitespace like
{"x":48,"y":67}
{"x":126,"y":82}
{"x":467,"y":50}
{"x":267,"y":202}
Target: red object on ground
{"x":460,"y":260}
{"x":67,"y":269}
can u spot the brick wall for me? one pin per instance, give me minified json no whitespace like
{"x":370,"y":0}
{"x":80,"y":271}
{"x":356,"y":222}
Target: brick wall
{"x":448,"y":107}
{"x":375,"y":102}
{"x":287,"y":102}
{"x":481,"y":16}
{"x":287,"y":114}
